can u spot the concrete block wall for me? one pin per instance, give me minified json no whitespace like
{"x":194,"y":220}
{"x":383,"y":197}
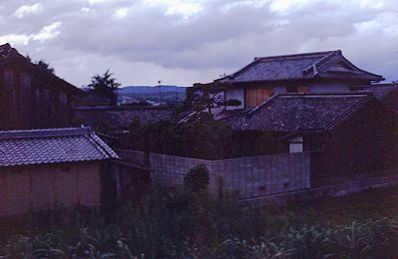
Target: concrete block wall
{"x":262,"y":175}
{"x":170,"y":170}
{"x":254,"y":176}
{"x":133,"y":156}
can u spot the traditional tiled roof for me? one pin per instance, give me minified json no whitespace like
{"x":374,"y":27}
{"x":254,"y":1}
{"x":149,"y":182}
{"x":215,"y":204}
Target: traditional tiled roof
{"x":382,"y":91}
{"x":299,"y":112}
{"x":7,"y":51}
{"x":329,"y":64}
{"x":387,"y":93}
{"x":90,"y":97}
{"x":114,"y":119}
{"x":43,"y":146}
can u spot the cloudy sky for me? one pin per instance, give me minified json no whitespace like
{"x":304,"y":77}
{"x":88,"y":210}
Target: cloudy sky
{"x":182,"y":41}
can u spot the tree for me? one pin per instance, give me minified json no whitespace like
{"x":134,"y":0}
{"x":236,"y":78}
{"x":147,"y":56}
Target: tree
{"x":105,"y":84}
{"x":42,"y":64}
{"x":45,"y":66}
{"x":197,"y":178}
{"x":207,"y":97}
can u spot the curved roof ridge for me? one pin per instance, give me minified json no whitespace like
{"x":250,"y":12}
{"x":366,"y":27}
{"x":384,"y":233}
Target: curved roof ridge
{"x":315,"y":67}
{"x":263,"y":104}
{"x":299,"y":55}
{"x":347,"y":113}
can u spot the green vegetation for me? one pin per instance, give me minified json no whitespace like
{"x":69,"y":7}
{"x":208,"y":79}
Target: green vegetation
{"x":105,"y":84}
{"x":183,"y":224}
{"x":42,"y":64}
{"x":202,"y":137}
{"x":209,"y":97}
{"x":197,"y":178}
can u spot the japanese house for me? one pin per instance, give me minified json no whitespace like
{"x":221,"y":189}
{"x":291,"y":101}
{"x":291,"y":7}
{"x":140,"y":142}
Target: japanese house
{"x":316,"y":72}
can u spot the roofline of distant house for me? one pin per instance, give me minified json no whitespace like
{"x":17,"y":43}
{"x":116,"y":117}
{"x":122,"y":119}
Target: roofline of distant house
{"x":299,"y":55}
{"x":287,"y":56}
{"x":272,"y":83}
{"x":19,"y":57}
{"x":121,"y":108}
{"x":301,"y":95}
{"x":328,"y":54}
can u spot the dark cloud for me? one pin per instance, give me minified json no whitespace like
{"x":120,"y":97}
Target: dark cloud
{"x":148,"y":40}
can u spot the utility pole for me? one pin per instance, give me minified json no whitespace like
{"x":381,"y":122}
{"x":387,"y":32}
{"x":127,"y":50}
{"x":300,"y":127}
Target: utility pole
{"x":160,"y":91}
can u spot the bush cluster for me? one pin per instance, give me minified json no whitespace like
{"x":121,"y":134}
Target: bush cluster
{"x":172,"y":223}
{"x":202,"y":137}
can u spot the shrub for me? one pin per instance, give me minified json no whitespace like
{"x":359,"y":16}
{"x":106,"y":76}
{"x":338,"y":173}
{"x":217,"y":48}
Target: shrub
{"x":197,"y":178}
{"x":202,"y":137}
{"x":172,"y":223}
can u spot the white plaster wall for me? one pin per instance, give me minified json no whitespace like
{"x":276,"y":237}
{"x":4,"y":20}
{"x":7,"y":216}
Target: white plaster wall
{"x":296,"y":145}
{"x":329,"y":88}
{"x":280,"y":90}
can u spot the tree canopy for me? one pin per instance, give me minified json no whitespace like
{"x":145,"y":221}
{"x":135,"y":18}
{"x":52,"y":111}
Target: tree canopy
{"x":204,"y":138}
{"x":207,"y":97}
{"x":42,"y":64}
{"x":105,"y":84}
{"x":46,"y":66}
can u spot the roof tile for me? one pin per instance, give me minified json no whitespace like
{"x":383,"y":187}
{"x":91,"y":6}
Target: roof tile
{"x":299,"y":112}
{"x":42,"y":146}
{"x":293,"y":67}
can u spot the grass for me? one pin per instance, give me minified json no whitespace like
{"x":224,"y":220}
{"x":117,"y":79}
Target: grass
{"x":171,"y":224}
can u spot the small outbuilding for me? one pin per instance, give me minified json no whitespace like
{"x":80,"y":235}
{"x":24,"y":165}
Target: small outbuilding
{"x":47,"y":168}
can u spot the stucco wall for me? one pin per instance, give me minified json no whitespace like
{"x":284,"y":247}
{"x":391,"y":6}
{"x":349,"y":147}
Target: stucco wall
{"x":329,"y":88}
{"x":26,"y":188}
{"x":251,"y":176}
{"x":280,"y":90}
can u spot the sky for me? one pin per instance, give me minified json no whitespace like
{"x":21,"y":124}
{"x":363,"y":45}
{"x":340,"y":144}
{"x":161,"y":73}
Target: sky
{"x":181,"y":42}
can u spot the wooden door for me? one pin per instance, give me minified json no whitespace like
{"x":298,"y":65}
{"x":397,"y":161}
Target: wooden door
{"x":256,"y":96}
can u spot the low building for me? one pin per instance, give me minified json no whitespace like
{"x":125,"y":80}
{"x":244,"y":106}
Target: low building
{"x":387,"y":93}
{"x":89,"y":97}
{"x":116,"y":121}
{"x":347,"y":134}
{"x":47,"y":168}
{"x":30,"y":95}
{"x":316,"y":72}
